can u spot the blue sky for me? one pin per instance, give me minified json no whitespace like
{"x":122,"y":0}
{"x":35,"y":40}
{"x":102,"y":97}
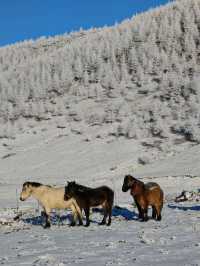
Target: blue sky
{"x":30,"y":19}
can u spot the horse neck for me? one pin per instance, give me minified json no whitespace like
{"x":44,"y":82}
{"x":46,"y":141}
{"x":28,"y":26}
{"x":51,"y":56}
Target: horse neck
{"x":141,"y":184}
{"x":37,"y":192}
{"x":136,"y":181}
{"x":137,"y":187}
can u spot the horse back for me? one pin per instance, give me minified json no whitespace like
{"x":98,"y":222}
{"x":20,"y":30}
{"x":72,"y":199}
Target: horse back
{"x":54,"y":198}
{"x":154,"y":193}
{"x":96,"y":196}
{"x":151,"y":186}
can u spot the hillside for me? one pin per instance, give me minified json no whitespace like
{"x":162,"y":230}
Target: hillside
{"x":138,"y":80}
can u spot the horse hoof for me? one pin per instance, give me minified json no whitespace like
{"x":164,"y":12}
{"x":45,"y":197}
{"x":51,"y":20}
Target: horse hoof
{"x":46,"y":226}
{"x":102,"y":223}
{"x":144,"y":220}
{"x":159,"y":218}
{"x":72,"y":224}
{"x":86,"y":225}
{"x":108,"y":224}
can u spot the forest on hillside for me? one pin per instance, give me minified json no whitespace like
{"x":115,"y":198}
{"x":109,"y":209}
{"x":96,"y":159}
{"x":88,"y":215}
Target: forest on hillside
{"x":141,"y":76}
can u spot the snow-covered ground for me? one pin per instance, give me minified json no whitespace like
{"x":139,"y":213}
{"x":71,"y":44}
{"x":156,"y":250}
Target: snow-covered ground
{"x":53,"y":157}
{"x":174,"y":241}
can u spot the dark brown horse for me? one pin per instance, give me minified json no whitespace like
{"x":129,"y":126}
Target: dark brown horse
{"x":145,"y":195}
{"x":90,"y":197}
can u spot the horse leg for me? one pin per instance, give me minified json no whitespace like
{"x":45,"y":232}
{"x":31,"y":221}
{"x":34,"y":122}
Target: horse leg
{"x":154,"y":212}
{"x":158,"y":212}
{"x":79,"y":214}
{"x":73,"y":221}
{"x":159,"y":218}
{"x":140,"y":214}
{"x":76,"y":213}
{"x":110,"y":205}
{"x":80,"y":220}
{"x":46,"y":215}
{"x":145,"y":214}
{"x":87,"y":215}
{"x":104,"y":217}
{"x":105,"y":212}
{"x":109,"y":215}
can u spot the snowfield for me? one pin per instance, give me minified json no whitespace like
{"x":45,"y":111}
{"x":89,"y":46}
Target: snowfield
{"x":174,"y":241}
{"x":51,"y":160}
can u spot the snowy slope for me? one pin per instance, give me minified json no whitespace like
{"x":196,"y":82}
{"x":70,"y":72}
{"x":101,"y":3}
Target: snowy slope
{"x":141,"y":76}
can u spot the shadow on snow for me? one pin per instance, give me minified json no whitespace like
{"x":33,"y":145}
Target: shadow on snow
{"x":118,"y":211}
{"x":184,"y":208}
{"x":56,"y":219}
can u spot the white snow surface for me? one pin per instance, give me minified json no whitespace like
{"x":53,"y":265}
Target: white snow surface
{"x":53,"y":158}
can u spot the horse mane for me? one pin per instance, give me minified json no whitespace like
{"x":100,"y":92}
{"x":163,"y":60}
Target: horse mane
{"x":140,"y":182}
{"x":81,"y":187}
{"x":135,"y":181}
{"x":78,"y":186}
{"x":33,"y":184}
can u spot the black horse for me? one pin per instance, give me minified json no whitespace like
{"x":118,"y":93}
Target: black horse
{"x":87,"y":197}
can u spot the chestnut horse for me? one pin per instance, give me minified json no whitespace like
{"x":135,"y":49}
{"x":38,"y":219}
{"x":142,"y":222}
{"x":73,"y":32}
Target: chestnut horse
{"x":145,"y":195}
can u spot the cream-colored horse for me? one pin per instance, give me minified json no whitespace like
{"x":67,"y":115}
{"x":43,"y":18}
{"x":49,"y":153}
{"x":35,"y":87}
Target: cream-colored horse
{"x":50,"y":198}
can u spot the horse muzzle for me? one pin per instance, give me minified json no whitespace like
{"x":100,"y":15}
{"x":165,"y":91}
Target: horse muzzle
{"x":22,"y":199}
{"x":66,"y":197}
{"x":125,"y":188}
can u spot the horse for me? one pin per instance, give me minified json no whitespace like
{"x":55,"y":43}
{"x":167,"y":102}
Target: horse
{"x":50,"y":198}
{"x":87,"y":197}
{"x":144,"y":195}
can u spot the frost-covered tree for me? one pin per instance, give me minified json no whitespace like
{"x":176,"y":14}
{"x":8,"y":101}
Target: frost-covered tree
{"x":151,"y":58}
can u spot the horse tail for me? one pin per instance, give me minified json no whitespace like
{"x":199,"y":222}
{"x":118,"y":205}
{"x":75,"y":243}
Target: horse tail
{"x":111,"y":197}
